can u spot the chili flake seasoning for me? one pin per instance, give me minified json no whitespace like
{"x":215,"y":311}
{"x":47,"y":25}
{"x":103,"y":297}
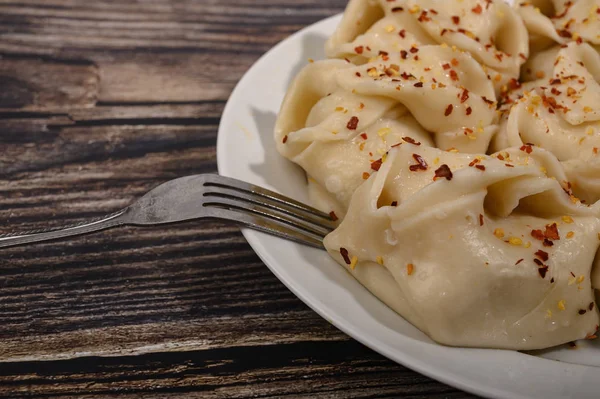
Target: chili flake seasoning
{"x":421,"y":164}
{"x":411,"y":140}
{"x":443,"y":172}
{"x":344,"y":253}
{"x":352,"y":123}
{"x":375,"y":165}
{"x":448,"y":110}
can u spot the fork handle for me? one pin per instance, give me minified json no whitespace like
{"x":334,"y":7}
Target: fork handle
{"x":90,"y":226}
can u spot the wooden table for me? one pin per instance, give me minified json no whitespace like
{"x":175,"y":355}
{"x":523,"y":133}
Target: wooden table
{"x":99,"y":102}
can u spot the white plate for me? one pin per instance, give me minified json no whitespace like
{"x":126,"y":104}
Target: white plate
{"x":246,"y":151}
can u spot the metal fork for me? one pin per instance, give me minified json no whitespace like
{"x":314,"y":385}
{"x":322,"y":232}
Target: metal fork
{"x":203,"y":197}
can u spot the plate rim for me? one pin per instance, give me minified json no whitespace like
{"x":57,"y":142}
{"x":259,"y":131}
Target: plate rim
{"x":445,"y":375}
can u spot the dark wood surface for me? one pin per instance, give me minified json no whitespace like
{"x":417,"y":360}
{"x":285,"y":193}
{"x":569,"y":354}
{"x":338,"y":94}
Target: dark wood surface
{"x":99,"y":102}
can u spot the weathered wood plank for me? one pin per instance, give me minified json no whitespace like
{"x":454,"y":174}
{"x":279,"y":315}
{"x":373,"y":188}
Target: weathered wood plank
{"x":317,"y":370}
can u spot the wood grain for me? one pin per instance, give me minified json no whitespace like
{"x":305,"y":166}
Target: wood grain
{"x":99,"y":102}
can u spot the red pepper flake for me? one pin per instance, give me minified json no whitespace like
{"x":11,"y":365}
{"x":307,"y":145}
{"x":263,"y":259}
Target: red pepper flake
{"x":359,"y":49}
{"x":403,"y":54}
{"x":469,"y":110}
{"x":552,"y":232}
{"x":411,"y":140}
{"x":436,"y":13}
{"x":402,"y":33}
{"x":443,"y":172}
{"x":542,"y":271}
{"x":352,"y":123}
{"x":443,"y":32}
{"x":453,"y":75}
{"x":527,"y":148}
{"x":464,"y":96}
{"x":481,"y":221}
{"x":514,"y":84}
{"x":547,"y":243}
{"x":555,"y":82}
{"x":552,"y":280}
{"x":477,"y":9}
{"x":454,"y":62}
{"x":582,"y":311}
{"x":449,"y":109}
{"x":394,"y":203}
{"x":375,"y":165}
{"x":407,"y":76}
{"x":418,"y":84}
{"x":285,"y":139}
{"x":572,"y":274}
{"x":537,"y":234}
{"x":595,"y":150}
{"x":421,"y":164}
{"x":488,"y":102}
{"x":358,"y":74}
{"x":480,"y":167}
{"x":364,"y":136}
{"x":423,"y":17}
{"x":543,"y":255}
{"x":564,"y":33}
{"x":333,"y":216}
{"x":500,"y":157}
{"x":509,"y":165}
{"x":456,"y":19}
{"x":538,"y":262}
{"x":519,"y":261}
{"x":397,"y":9}
{"x":446,"y":66}
{"x":344,"y":253}
{"x":414,"y":50}
{"x":555,"y":91}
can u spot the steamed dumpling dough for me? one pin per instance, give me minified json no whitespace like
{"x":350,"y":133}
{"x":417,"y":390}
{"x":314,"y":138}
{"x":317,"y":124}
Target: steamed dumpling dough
{"x":490,"y":30}
{"x":490,"y":253}
{"x":551,"y":22}
{"x":337,"y":136}
{"x":338,"y":119}
{"x":562,"y":115}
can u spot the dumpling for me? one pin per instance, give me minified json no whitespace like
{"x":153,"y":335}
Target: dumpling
{"x":552,"y":22}
{"x":445,"y":90}
{"x":562,"y":115}
{"x":474,"y":250}
{"x":490,"y":30}
{"x":339,"y":137}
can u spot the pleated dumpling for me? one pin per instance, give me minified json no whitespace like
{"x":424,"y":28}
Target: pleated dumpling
{"x":552,"y":22}
{"x":339,"y":137}
{"x":445,"y":90}
{"x":474,"y":250}
{"x":562,"y":115}
{"x":490,"y":30}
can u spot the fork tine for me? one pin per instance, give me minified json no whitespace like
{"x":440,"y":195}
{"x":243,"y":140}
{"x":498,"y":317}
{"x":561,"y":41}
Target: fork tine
{"x":270,"y":226}
{"x":267,"y":203}
{"x":241,"y":186}
{"x":266,"y":213}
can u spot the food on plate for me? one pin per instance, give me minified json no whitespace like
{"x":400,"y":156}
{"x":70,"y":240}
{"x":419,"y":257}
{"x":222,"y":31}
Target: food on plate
{"x":465,"y":171}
